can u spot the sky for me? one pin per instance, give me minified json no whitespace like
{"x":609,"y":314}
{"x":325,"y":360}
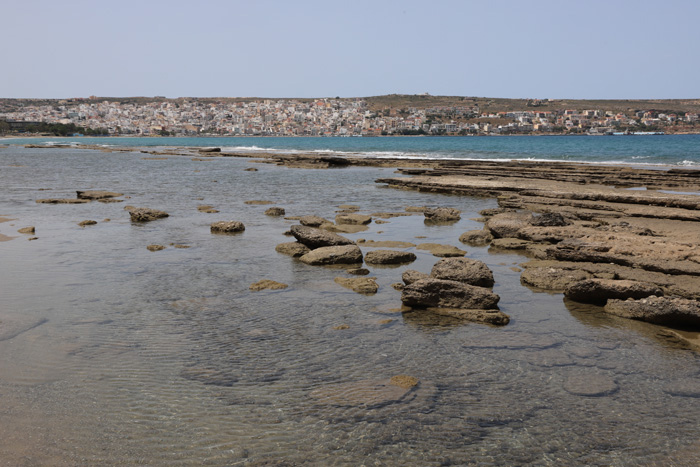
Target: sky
{"x":613,"y":49}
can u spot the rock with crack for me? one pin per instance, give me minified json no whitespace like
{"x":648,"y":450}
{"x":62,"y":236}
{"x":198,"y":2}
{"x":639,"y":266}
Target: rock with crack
{"x":427,"y":293}
{"x":599,"y":291}
{"x":678,"y":312}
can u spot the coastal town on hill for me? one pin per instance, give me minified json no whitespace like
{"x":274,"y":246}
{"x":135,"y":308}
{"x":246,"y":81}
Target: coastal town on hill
{"x":417,"y":115}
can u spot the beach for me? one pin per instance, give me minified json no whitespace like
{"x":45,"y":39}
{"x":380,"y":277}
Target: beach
{"x":115,"y":352}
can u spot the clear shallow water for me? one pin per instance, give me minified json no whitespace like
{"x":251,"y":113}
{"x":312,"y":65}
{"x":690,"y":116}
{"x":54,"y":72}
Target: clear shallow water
{"x":677,"y":150}
{"x":167,"y":358}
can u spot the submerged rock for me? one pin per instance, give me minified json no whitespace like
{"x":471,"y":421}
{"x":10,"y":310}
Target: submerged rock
{"x":389,"y":257}
{"x":658,"y":310}
{"x":441,"y":251}
{"x":207,"y":209}
{"x":267,"y":284}
{"x":317,"y":238}
{"x":87,"y":222}
{"x":145,"y":214}
{"x":362,"y":285}
{"x":601,"y":290}
{"x":469,"y":271}
{"x":344,"y":254}
{"x":27,"y":230}
{"x":358,"y":271}
{"x":353,"y":219}
{"x":62,"y":201}
{"x":589,"y":383}
{"x":96,"y":195}
{"x":227,"y":227}
{"x":366,"y":393}
{"x":155,"y":247}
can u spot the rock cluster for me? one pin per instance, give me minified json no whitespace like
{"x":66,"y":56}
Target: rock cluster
{"x":458,"y":287}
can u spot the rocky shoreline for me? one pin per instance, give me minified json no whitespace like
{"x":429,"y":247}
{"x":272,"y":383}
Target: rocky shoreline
{"x":624,"y":238}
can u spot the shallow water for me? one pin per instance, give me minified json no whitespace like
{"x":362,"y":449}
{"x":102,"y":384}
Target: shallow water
{"x":112,"y":354}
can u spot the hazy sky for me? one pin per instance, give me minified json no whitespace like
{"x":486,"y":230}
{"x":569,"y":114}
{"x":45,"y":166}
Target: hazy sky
{"x":209,"y":48}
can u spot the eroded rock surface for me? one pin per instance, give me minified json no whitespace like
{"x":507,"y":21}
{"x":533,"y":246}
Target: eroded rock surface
{"x":145,"y":214}
{"x":317,"y":238}
{"x":389,"y":257}
{"x":362,"y":285}
{"x":658,"y":310}
{"x":344,"y":254}
{"x":469,"y":271}
{"x":434,"y":293}
{"x":227,"y":227}
{"x":602,"y":290}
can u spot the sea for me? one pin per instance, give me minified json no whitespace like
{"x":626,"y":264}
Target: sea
{"x":653,"y":150}
{"x":112,"y":354}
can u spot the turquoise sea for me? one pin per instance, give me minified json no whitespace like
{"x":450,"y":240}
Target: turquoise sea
{"x":676,"y":150}
{"x":111,"y":354}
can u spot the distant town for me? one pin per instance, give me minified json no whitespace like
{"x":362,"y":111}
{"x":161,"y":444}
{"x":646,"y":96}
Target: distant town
{"x":404,"y":115}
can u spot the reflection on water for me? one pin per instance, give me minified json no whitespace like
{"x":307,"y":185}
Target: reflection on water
{"x":113,"y":354}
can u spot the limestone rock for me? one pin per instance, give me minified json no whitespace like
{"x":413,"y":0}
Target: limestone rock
{"x":62,"y":201}
{"x":386,"y":244}
{"x":267,"y":284}
{"x":313,"y":221}
{"x":293,"y":249}
{"x":410,"y":276}
{"x":96,"y":195}
{"x":510,"y":244}
{"x":27,"y":230}
{"x":442,"y":214}
{"x":258,"y":202}
{"x":87,"y":222}
{"x":507,"y":224}
{"x":227,"y":227}
{"x":426,"y":293}
{"x":275,"y":212}
{"x":317,"y":238}
{"x":344,"y":254}
{"x":601,"y":290}
{"x":389,"y":257}
{"x":441,"y":251}
{"x":469,"y":271}
{"x":358,"y":271}
{"x":206,"y":208}
{"x":363,"y":285}
{"x":658,"y":310}
{"x":548,"y":219}
{"x":555,"y":279}
{"x":476,"y":237}
{"x":352,"y":219}
{"x":145,"y":214}
{"x":494,"y":317}
{"x":155,"y":247}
